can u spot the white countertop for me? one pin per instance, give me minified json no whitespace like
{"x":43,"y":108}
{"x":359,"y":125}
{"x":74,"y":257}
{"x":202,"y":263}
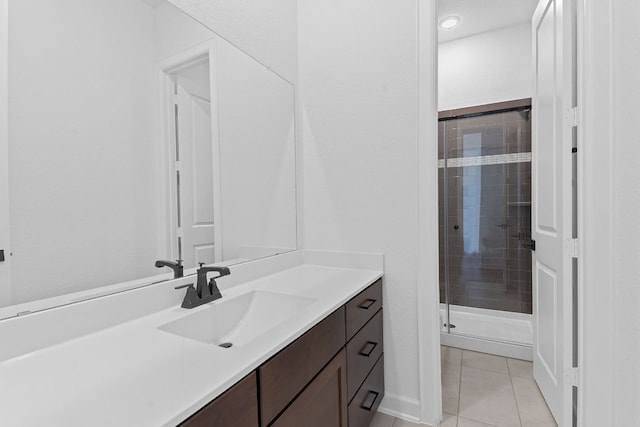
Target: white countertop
{"x":134,"y":374}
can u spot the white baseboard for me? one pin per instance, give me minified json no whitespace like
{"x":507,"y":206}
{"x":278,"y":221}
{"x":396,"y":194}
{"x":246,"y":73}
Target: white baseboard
{"x":401,"y":407}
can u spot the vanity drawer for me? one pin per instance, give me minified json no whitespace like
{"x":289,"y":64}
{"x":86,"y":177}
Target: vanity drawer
{"x":237,"y":406}
{"x":362,"y":352}
{"x":362,"y":307}
{"x":288,"y":372}
{"x":366,"y":401}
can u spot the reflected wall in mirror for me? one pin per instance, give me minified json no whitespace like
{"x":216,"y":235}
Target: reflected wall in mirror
{"x":135,"y":134}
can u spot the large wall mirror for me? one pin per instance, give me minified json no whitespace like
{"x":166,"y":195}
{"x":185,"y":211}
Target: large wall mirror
{"x":135,"y":134}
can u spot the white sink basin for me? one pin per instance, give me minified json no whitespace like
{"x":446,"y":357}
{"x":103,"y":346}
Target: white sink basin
{"x":238,"y":320}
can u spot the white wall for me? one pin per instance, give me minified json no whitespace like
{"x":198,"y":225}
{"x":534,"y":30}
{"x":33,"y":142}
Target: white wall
{"x":625,"y":210}
{"x":266,"y":30}
{"x":82,"y":176}
{"x":358,"y":83}
{"x":484,"y":68}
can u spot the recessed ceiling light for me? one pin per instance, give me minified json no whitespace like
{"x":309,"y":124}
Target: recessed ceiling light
{"x":449,"y":22}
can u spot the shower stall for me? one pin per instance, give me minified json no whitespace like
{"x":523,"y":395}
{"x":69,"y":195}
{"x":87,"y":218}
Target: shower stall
{"x":485,"y":228}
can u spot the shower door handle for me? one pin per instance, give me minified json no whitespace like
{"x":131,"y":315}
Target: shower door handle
{"x":531,"y":244}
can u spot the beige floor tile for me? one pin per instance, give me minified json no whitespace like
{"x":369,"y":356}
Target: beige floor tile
{"x":450,"y":388}
{"x":449,"y":420}
{"x":520,"y":368}
{"x":450,"y":355}
{"x":489,"y":362}
{"x":382,"y":420}
{"x":405,"y":423}
{"x":487,"y":397}
{"x":466,"y":422}
{"x":533,"y":409}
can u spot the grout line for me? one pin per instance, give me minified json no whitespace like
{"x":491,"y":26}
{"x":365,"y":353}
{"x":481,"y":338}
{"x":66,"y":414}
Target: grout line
{"x":478,"y":421}
{"x":489,"y":370}
{"x":495,"y":373}
{"x":459,"y":388}
{"x":513,"y":390}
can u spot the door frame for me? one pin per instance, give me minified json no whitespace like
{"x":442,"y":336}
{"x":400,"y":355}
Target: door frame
{"x":595,"y":264}
{"x":429,"y":406}
{"x":6,"y":293}
{"x":168,"y":190}
{"x":596,"y":310}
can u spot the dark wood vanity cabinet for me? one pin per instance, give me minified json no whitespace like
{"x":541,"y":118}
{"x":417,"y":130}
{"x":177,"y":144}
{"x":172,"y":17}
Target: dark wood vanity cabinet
{"x":323,"y":402}
{"x":365,"y":359}
{"x":367,"y":399}
{"x":362,"y":307}
{"x":348,"y":390}
{"x":287,"y":373}
{"x":363,"y":351}
{"x":332,"y":376}
{"x":237,"y":406}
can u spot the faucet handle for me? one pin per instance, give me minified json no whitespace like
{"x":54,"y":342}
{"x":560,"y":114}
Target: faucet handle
{"x":191,"y":298}
{"x":201,"y":264}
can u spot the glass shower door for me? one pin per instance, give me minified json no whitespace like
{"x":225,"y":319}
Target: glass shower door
{"x":485,"y":218}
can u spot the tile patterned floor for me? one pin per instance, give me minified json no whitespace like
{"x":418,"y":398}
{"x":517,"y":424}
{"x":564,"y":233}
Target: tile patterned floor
{"x":482,"y":390}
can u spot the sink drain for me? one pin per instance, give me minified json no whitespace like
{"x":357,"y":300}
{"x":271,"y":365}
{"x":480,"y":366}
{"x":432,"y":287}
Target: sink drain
{"x":225,"y":345}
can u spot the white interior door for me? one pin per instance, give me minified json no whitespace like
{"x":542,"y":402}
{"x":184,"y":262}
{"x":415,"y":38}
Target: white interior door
{"x":196,"y":227}
{"x":551,"y":197}
{"x":5,"y":270}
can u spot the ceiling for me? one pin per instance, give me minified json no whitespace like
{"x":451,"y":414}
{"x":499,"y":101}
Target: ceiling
{"x":479,"y":16}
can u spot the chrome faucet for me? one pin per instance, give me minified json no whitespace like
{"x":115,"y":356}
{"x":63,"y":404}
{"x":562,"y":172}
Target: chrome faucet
{"x":203,"y":292}
{"x":178,"y":269}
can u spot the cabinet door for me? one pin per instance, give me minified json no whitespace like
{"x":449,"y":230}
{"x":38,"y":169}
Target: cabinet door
{"x":324,"y":402}
{"x":288,"y":372}
{"x":236,"y":407}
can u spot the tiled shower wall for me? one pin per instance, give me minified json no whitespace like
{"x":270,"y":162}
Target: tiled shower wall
{"x":485,"y":182}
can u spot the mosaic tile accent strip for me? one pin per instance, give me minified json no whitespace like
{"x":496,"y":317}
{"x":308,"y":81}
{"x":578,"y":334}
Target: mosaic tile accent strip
{"x":498,"y":159}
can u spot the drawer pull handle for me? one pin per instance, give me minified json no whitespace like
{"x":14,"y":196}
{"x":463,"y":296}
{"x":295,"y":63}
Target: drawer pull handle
{"x":368,"y":303}
{"x":370,"y":400}
{"x":368,"y":348}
